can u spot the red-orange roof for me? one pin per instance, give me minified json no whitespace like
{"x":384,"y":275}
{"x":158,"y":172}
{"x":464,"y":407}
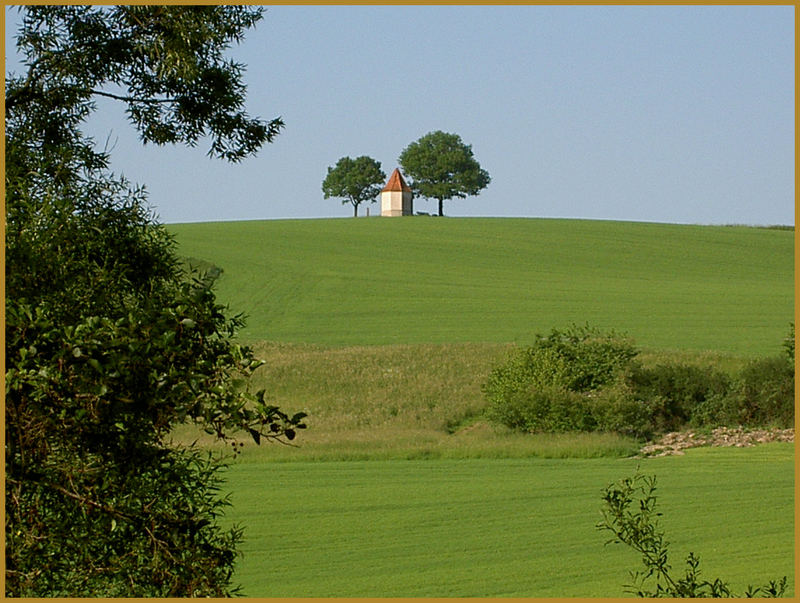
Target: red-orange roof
{"x":396,"y":183}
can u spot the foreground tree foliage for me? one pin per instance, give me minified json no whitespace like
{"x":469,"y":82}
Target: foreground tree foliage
{"x":110,"y":343}
{"x":630,"y":514}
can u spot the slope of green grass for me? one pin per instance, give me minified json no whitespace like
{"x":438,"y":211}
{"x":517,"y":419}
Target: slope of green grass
{"x":384,"y":331}
{"x":496,"y":528}
{"x":430,"y":280}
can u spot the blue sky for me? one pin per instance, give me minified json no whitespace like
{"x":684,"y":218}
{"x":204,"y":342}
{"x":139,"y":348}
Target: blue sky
{"x":668,"y":114}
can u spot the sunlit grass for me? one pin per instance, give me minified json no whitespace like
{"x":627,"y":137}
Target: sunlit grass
{"x":394,"y":326}
{"x":411,"y":402}
{"x":423,"y":280}
{"x":485,"y":443}
{"x":501,"y":527}
{"x":420,"y":387}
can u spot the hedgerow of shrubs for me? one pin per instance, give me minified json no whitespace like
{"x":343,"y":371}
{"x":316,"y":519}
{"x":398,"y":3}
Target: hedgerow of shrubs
{"x":763,"y":396}
{"x":582,"y":379}
{"x":673,"y":392}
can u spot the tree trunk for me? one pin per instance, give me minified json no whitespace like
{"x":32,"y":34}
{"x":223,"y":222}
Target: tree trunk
{"x":355,"y":210}
{"x":441,"y":207}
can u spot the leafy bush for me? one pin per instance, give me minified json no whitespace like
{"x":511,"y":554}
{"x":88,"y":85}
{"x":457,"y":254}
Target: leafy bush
{"x":525,"y":369}
{"x":581,"y":379}
{"x":672,"y":392}
{"x":761,"y":396}
{"x":671,"y":397}
{"x":630,"y":515}
{"x":589,"y":357}
{"x":788,"y":343}
{"x":538,"y":388}
{"x":716,"y":411}
{"x":765,"y":394}
{"x":615,"y":408}
{"x":545,"y":409}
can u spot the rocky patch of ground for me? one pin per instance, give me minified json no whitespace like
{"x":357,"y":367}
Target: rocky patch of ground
{"x":677,"y":442}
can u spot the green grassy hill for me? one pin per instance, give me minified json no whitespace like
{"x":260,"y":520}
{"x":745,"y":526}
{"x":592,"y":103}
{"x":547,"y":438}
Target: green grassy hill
{"x":429,"y":280}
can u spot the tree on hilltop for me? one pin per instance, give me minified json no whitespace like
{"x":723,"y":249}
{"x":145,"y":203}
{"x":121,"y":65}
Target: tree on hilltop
{"x":110,"y":344}
{"x":442,"y":167}
{"x":354,"y":181}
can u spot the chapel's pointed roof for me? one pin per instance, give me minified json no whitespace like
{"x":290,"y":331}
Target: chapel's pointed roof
{"x":396,"y":183}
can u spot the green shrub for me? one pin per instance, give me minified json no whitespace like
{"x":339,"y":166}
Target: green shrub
{"x":590,"y":358}
{"x":765,"y":393}
{"x":524,"y":369}
{"x":762,"y":396}
{"x":581,"y":379}
{"x":788,"y":343}
{"x":535,"y":389}
{"x":672,"y":392}
{"x":615,"y":409}
{"x":548,"y":408}
{"x":716,"y":411}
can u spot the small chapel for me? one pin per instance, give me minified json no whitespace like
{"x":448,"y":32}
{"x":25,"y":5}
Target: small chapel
{"x":396,"y":197}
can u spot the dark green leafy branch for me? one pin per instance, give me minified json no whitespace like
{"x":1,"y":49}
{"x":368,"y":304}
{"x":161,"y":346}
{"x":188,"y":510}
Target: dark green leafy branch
{"x":165,"y":63}
{"x":111,"y":343}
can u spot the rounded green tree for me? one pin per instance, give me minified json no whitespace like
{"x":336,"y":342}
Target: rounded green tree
{"x":442,"y":167}
{"x":354,"y":181}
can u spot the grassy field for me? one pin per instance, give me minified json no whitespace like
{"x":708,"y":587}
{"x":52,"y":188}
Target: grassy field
{"x":497,"y":528}
{"x":385,"y":330}
{"x":428,"y":280}
{"x":413,"y":402}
